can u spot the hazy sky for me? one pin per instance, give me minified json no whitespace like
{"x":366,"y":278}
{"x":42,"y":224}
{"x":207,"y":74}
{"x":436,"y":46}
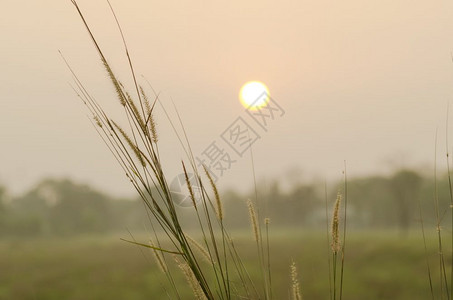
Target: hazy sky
{"x":363,"y":81}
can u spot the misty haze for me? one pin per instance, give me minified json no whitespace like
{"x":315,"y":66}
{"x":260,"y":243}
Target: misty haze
{"x":238,"y":150}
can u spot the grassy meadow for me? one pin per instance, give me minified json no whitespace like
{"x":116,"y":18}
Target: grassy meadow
{"x":261,"y":262}
{"x":379,"y":265}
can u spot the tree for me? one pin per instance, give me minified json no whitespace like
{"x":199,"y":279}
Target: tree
{"x":63,"y":207}
{"x":405,"y":185}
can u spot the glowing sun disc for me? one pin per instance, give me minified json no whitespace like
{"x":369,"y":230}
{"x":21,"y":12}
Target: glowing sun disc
{"x":254,"y":95}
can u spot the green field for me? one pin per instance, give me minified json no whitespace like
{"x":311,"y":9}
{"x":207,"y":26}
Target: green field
{"x":379,"y":265}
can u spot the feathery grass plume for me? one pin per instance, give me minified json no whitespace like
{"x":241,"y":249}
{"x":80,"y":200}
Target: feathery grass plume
{"x":149,"y":113}
{"x":219,"y":206}
{"x":295,"y":286}
{"x":131,"y":144}
{"x":336,"y":245}
{"x":200,"y":248}
{"x":159,"y":258}
{"x":164,"y":211}
{"x":98,"y":122}
{"x":152,"y":128}
{"x":253,"y":220}
{"x":191,"y":279}
{"x":145,"y":100}
{"x":136,"y":112}
{"x":189,"y":186}
{"x":116,"y":83}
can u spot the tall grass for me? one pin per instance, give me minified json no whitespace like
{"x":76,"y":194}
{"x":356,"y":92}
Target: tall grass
{"x":213,"y":267}
{"x":445,"y":283}
{"x":211,"y":263}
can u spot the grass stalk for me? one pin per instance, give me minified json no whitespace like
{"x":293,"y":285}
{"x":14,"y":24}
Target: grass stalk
{"x":450,"y":190}
{"x":344,"y":229}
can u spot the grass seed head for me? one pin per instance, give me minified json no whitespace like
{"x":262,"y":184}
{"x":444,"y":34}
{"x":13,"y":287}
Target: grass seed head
{"x":191,"y":279}
{"x":253,"y":220}
{"x":295,"y":286}
{"x":131,"y":144}
{"x":200,"y":248}
{"x":219,"y":206}
{"x":189,"y":186}
{"x":336,"y":244}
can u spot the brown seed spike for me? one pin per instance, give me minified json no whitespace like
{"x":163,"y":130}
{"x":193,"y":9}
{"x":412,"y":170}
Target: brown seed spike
{"x":219,"y":205}
{"x":189,"y":186}
{"x":336,"y":244}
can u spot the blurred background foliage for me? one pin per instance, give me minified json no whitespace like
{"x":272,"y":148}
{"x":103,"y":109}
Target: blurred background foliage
{"x":61,"y":207}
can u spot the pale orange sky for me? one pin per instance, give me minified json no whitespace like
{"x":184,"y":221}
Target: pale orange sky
{"x":362,"y":81}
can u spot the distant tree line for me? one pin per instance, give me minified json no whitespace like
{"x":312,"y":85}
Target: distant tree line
{"x":397,"y":201}
{"x":62,"y":207}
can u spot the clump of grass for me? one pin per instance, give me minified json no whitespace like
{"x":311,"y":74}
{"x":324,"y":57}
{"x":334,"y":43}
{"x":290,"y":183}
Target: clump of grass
{"x":136,"y":148}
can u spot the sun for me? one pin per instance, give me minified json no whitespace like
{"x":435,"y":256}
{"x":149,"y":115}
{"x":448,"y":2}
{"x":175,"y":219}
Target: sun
{"x":254,"y":95}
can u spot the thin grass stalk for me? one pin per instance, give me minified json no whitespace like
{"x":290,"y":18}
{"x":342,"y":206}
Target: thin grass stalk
{"x":336,"y":244}
{"x":96,"y":111}
{"x":266,"y":223}
{"x":168,"y":274}
{"x":428,"y":268}
{"x":105,"y":123}
{"x":450,"y":189}
{"x":189,"y":154}
{"x":328,"y":240}
{"x":242,"y":271}
{"x":334,"y":274}
{"x":127,"y":54}
{"x":192,"y":280}
{"x":211,"y":232}
{"x":344,"y":229}
{"x":194,"y":267}
{"x":136,"y":173}
{"x":259,"y":240}
{"x":212,"y":236}
{"x":210,"y":252}
{"x":220,"y":216}
{"x":151,"y":171}
{"x":205,"y":202}
{"x":442,"y":272}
